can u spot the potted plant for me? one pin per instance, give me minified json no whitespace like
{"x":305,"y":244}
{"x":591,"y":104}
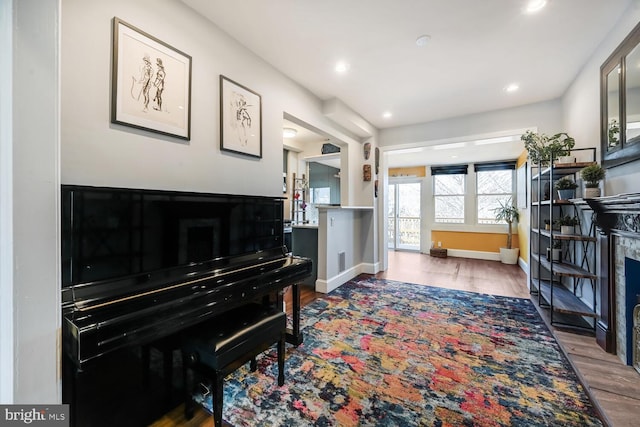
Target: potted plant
{"x":560,"y":146}
{"x":543,"y":149}
{"x":592,"y":175}
{"x":566,"y":188}
{"x":508,"y":213}
{"x":567,"y":224}
{"x":555,"y":251}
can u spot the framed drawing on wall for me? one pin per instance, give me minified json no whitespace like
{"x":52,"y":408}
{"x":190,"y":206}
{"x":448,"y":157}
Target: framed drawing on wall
{"x":240,"y":119}
{"x":151,"y":83}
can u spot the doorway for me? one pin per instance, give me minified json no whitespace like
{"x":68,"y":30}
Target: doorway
{"x":404,"y":216}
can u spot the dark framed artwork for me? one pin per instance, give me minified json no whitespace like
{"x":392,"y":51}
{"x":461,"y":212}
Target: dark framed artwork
{"x":240,"y":119}
{"x":151,"y":83}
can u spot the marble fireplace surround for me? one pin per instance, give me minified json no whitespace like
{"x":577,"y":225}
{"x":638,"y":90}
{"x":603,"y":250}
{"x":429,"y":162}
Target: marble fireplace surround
{"x":618,"y":222}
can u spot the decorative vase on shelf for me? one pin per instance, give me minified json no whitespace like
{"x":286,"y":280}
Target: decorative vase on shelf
{"x":591,"y":192}
{"x":566,"y":194}
{"x":566,"y":188}
{"x":567,"y":229}
{"x":566,"y":159}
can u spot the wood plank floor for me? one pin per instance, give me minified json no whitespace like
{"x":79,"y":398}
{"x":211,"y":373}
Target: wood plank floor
{"x":614,"y":387}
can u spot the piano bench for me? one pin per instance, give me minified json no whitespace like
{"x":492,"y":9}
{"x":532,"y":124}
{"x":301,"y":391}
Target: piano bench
{"x":221,"y":345}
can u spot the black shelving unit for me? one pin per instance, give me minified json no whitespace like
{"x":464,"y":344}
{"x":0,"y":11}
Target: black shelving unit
{"x":567,"y":286}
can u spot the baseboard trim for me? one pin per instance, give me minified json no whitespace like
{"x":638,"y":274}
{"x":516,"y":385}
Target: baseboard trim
{"x":369,"y":268}
{"x":326,"y":286}
{"x":460,"y":253}
{"x":523,"y":265}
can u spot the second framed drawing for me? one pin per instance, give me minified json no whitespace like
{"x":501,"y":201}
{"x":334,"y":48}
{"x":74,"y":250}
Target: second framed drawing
{"x":240,"y":119}
{"x":151,"y":83}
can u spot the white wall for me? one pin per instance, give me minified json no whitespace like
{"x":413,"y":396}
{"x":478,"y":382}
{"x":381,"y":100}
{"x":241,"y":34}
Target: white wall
{"x":6,"y":202}
{"x":546,"y":116}
{"x":340,"y":230}
{"x":30,"y":324}
{"x":95,"y":152}
{"x":581,"y":105}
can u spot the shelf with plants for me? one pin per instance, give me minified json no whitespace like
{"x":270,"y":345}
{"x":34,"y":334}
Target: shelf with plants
{"x":562,"y":237}
{"x":562,"y":265}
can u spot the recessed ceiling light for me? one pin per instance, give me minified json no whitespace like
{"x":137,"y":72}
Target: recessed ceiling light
{"x":342,"y":67}
{"x":423,"y":40}
{"x":535,"y":5}
{"x":289,"y":132}
{"x":513,"y":87}
{"x":387,"y":114}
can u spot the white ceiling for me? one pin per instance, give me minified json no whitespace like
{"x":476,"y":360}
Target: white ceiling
{"x":477,"y":48}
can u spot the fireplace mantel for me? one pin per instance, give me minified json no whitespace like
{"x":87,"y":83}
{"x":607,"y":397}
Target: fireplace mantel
{"x":619,"y":214}
{"x":614,"y":216}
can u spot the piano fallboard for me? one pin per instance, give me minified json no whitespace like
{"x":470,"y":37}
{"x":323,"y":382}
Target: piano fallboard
{"x":93,"y":329}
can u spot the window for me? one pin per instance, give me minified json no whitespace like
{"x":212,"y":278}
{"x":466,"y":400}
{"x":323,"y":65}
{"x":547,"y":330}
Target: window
{"x":449,"y":197}
{"x":320,"y":196}
{"x":494,"y":184}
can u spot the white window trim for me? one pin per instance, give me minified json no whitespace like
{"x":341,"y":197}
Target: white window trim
{"x":470,"y":209}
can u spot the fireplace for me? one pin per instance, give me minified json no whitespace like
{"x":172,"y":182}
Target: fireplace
{"x":627,"y":285}
{"x":618,"y":222}
{"x":632,"y":287}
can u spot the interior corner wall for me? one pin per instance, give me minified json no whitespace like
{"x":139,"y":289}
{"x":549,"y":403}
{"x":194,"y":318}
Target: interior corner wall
{"x":546,"y":116}
{"x":6,"y":203}
{"x":581,"y":105}
{"x":97,"y":152}
{"x":341,"y":223}
{"x":35,"y":203}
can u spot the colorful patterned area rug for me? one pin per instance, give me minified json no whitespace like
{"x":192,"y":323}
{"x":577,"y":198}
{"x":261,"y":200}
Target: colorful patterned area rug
{"x":386,"y":353}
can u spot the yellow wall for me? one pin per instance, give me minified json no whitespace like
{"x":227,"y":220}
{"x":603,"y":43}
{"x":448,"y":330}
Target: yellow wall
{"x":488,"y":242}
{"x":418,"y":171}
{"x":472,"y":241}
{"x":477,"y":241}
{"x":523,"y":224}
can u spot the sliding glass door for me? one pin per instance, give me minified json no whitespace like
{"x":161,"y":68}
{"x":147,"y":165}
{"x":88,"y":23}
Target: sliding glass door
{"x":404,"y":216}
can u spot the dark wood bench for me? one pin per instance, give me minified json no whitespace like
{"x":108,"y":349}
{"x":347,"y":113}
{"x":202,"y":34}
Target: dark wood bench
{"x":221,"y":345}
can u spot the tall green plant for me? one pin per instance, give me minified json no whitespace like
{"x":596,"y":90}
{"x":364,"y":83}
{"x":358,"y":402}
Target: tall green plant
{"x":543,"y":149}
{"x":508,"y":213}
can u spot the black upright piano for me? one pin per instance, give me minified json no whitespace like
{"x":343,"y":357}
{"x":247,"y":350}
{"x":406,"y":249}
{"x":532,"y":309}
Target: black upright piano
{"x":141,"y":265}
